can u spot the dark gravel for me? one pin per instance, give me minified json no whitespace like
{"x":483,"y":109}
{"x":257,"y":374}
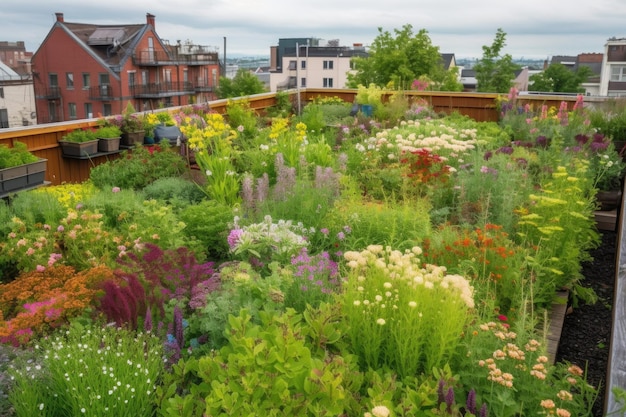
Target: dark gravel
{"x":586,"y":333}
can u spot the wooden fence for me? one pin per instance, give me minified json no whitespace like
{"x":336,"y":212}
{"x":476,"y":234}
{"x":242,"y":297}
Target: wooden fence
{"x":42,"y":140}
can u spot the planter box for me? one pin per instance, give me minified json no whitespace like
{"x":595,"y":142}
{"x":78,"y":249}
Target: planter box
{"x":109,"y":144}
{"x":22,"y":176}
{"x":132,"y":138}
{"x":79,"y":149}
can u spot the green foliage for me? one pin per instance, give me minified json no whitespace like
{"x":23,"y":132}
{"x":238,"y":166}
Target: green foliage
{"x":283,"y":106}
{"x":137,"y":168}
{"x":397,"y":59}
{"x":108,"y":132}
{"x":174,"y":190}
{"x":559,"y":79}
{"x":495,"y":72}
{"x":15,"y":156}
{"x":245,"y":83}
{"x":269,"y":370}
{"x":90,"y":371}
{"x":80,"y":136}
{"x":208,"y":222}
{"x":241,"y":117}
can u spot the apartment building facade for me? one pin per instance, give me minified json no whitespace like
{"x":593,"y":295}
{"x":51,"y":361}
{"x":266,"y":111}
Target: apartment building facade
{"x":303,"y":63}
{"x":613,"y":79}
{"x":84,"y":70}
{"x":17,"y":101}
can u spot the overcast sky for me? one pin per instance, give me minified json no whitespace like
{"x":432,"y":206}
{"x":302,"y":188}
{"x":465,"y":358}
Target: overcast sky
{"x":536,"y":29}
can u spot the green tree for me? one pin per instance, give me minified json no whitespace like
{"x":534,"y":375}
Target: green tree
{"x":398,"y":59}
{"x":243,"y":84}
{"x":494,"y":72}
{"x":558,"y":78}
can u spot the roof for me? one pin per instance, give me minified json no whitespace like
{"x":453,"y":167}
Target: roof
{"x":111,"y":43}
{"x":7,"y":74}
{"x":448,"y":59}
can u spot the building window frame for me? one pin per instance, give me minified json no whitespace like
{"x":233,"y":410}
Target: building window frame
{"x":71,"y":111}
{"x":86,"y":80}
{"x":328,"y":64}
{"x":618,"y":73}
{"x":69,"y":80}
{"x":327,"y":82}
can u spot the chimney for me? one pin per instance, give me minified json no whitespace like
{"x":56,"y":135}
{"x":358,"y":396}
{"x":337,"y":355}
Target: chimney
{"x":60,"y":17}
{"x":150,"y":19}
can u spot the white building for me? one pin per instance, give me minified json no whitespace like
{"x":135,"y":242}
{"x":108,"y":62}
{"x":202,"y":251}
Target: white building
{"x":17,"y":99}
{"x":301,"y":62}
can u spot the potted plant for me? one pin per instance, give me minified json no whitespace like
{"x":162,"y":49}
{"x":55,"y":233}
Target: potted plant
{"x":79,"y":142}
{"x":109,"y":138}
{"x":132,"y":126}
{"x":368,"y":98}
{"x":20,"y":169}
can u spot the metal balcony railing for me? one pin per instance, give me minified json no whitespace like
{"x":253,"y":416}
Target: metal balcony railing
{"x":101,"y":92}
{"x":165,"y":89}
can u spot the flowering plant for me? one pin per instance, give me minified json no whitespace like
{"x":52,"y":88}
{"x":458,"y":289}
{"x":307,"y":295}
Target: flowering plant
{"x":265,"y":242}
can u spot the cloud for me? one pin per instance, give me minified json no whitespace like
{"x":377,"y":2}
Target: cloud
{"x":252,"y":26}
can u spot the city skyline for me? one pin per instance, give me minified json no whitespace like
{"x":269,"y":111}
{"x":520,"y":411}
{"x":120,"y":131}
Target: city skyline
{"x":250,"y":28}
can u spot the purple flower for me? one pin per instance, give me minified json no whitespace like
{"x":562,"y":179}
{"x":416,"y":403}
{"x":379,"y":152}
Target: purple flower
{"x":324,"y":231}
{"x":233,"y":238}
{"x":341,"y":236}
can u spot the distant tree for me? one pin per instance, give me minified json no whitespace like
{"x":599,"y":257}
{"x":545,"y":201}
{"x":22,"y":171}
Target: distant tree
{"x":557,"y":78}
{"x":243,"y":84}
{"x":494,"y":72}
{"x":398,"y":59}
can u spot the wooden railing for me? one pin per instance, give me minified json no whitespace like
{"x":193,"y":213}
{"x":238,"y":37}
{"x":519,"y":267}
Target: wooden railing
{"x":42,"y":139}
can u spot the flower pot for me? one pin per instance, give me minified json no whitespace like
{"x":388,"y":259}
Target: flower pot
{"x":367,"y":110}
{"x":22,"y":176}
{"x":608,"y":200}
{"x":132,"y":138}
{"x":78,"y":149}
{"x":109,"y":144}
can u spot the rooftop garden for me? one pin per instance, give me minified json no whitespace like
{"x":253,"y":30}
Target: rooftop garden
{"x":318,"y":264}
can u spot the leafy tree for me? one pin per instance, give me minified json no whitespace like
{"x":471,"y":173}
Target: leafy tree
{"x":243,"y":84}
{"x":494,"y":72}
{"x":558,"y":78}
{"x":398,"y":59}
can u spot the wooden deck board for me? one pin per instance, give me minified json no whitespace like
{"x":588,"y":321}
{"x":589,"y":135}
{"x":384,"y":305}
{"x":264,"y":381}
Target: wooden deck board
{"x":555,"y":323}
{"x":616,"y":372}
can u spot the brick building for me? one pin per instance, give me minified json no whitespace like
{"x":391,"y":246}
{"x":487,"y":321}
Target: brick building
{"x":84,"y":70}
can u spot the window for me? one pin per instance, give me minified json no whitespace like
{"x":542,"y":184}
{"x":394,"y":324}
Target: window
{"x":618,"y":72}
{"x":1,"y":92}
{"x":71,"y":107}
{"x":4,"y":118}
{"x":54,"y":80}
{"x":303,"y":82}
{"x":302,"y":64}
{"x":132,"y":80}
{"x":106,"y":107}
{"x":328,"y":83}
{"x":293,"y":65}
{"x":328,"y":65}
{"x":69,"y":80}
{"x":88,"y":110}
{"x":86,"y":80}
{"x":145,"y":77}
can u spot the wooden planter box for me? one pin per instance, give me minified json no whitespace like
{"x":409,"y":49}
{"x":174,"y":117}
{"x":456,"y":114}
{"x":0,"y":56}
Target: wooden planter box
{"x":22,"y":176}
{"x":109,"y":144}
{"x":132,"y":138}
{"x":79,"y":148}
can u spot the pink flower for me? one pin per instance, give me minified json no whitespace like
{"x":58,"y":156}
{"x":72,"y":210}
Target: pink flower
{"x":40,"y":268}
{"x":116,"y":189}
{"x":60,"y":229}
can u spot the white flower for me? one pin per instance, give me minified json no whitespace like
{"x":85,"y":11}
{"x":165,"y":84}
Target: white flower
{"x":208,"y":173}
{"x":381,"y":322}
{"x":380,"y":411}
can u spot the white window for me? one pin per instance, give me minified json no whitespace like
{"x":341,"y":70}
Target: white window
{"x":69,"y":80}
{"x":618,"y":72}
{"x":72,"y":110}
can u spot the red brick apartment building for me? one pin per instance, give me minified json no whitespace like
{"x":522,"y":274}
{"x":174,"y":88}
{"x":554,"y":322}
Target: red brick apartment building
{"x":83,"y":70}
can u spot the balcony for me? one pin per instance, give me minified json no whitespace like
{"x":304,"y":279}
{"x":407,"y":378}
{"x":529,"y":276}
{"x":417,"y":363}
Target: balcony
{"x":199,"y":58}
{"x":203,"y":86}
{"x":101,"y":92}
{"x":50,"y":93}
{"x":151,"y":58}
{"x":158,"y":90}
